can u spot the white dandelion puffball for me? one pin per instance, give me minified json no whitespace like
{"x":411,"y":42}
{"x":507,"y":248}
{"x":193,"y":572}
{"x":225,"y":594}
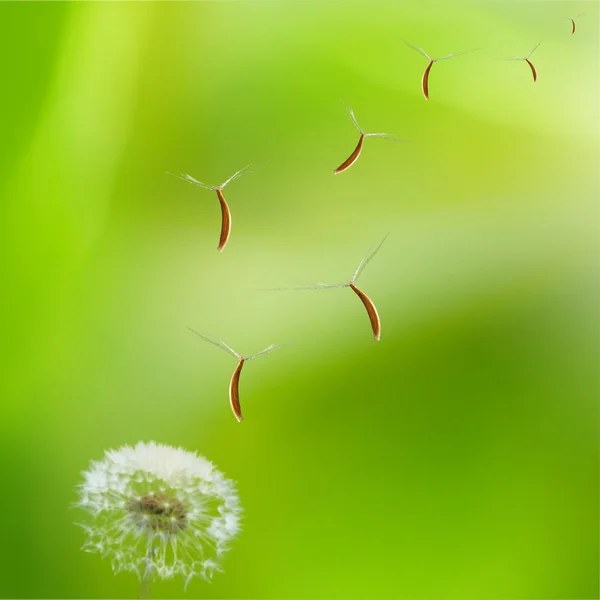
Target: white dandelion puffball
{"x":158,"y":511}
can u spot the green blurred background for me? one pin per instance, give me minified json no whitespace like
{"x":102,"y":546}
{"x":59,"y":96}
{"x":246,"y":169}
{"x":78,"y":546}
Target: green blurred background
{"x":456,"y":458}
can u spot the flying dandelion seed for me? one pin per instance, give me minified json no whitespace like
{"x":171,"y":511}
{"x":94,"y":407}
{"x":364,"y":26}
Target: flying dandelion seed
{"x":363,"y":134}
{"x":367,"y":302}
{"x":234,"y":384}
{"x":158,"y":512}
{"x":426,"y":73}
{"x":573,"y":19}
{"x":225,"y":211}
{"x":526,"y":59}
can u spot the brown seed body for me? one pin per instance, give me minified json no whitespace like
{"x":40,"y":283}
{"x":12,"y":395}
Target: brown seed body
{"x":425,"y":80}
{"x":573,"y":31}
{"x":371,"y":311}
{"x":234,"y":394}
{"x":225,"y":222}
{"x":353,"y":157}
{"x":533,"y":71}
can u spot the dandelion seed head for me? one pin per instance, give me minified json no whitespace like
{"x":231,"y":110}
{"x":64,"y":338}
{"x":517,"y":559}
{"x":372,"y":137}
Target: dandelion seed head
{"x":158,"y":511}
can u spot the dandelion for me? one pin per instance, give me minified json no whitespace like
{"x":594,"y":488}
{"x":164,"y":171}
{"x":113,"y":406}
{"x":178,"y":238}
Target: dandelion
{"x":158,"y":512}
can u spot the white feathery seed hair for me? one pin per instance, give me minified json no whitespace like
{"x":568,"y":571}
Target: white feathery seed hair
{"x":158,"y":511}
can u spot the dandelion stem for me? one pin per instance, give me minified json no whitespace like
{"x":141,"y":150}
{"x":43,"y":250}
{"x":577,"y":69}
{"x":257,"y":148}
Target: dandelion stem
{"x":144,"y":588}
{"x":144,"y":591}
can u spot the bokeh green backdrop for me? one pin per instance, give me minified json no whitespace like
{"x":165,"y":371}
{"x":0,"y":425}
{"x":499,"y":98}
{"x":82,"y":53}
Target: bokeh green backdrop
{"x":457,"y":457}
